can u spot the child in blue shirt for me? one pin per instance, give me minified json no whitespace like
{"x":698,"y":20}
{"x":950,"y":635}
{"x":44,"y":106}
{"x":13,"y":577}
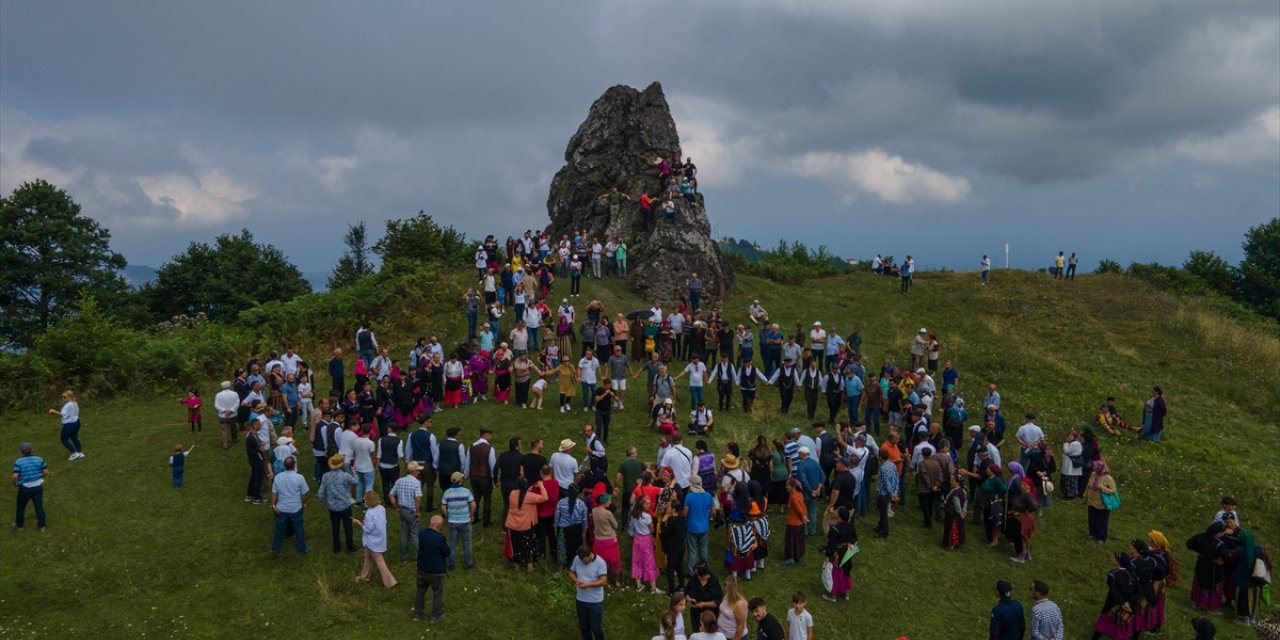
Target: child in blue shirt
{"x":178,"y":462}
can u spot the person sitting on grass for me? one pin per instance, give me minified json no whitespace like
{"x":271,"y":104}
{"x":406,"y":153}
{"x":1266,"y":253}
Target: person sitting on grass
{"x":1109,"y":419}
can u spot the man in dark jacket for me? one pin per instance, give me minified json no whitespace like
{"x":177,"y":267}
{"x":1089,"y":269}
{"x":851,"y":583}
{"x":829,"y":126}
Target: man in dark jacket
{"x":433,"y":556}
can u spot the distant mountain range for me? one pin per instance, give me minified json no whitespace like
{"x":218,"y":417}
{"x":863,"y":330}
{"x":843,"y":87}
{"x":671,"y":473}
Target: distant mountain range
{"x":753,"y":252}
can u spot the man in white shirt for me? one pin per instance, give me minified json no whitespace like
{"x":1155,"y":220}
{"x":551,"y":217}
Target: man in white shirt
{"x":434,"y":348}
{"x":757,"y":313}
{"x":381,"y":365}
{"x":818,"y":343}
{"x":701,"y":420}
{"x":290,"y":361}
{"x":917,"y":454}
{"x":533,"y":324}
{"x":676,"y":320}
{"x":697,"y":373}
{"x":588,"y":367}
{"x":564,"y":467}
{"x":1029,"y":436}
{"x":680,"y":459}
{"x":596,"y":457}
{"x":655,"y":312}
{"x":227,"y":403}
{"x":520,"y":339}
{"x":364,"y":454}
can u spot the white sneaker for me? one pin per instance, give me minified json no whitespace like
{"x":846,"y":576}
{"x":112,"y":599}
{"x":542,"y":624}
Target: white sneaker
{"x":71,"y":457}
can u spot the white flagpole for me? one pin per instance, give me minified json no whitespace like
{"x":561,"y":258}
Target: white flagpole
{"x":1006,"y":255}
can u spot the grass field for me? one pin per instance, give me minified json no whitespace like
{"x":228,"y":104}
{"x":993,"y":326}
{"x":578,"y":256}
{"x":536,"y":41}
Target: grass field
{"x":126,"y":556}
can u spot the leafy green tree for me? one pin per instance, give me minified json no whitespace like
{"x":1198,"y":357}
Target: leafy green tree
{"x":354,"y":263}
{"x":223,"y":279}
{"x":1213,"y":270}
{"x":50,"y":255}
{"x":422,"y":239}
{"x":1259,"y":283}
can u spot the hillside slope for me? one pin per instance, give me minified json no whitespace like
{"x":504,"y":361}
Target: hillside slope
{"x":125,"y":554}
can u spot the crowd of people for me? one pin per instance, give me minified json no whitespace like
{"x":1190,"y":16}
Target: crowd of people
{"x":879,"y":438}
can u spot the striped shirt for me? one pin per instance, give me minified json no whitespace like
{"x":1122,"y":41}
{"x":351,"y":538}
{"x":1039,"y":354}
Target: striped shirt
{"x":1046,"y":621}
{"x":30,"y":469}
{"x":457,"y":502}
{"x":888,"y":483}
{"x":406,"y":491}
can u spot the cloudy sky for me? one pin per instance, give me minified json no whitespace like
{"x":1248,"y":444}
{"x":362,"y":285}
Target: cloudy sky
{"x":1135,"y":131}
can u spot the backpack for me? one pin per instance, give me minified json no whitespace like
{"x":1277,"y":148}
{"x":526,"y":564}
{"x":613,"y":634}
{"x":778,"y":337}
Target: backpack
{"x":743,"y":537}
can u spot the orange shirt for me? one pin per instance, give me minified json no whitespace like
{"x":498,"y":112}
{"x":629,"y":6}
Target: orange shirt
{"x":796,"y":509}
{"x":895,"y":456}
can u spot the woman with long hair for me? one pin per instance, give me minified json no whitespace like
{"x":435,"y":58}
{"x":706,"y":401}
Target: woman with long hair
{"x":643,"y":566}
{"x":570,"y":523}
{"x":521,"y":520}
{"x":673,"y":617}
{"x":373,"y":529}
{"x":673,"y":538}
{"x":69,"y":414}
{"x":1100,"y":483}
{"x":732,"y":620}
{"x":761,"y":464}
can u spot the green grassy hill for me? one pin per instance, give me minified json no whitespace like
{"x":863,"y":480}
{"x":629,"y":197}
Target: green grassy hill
{"x":125,"y":556}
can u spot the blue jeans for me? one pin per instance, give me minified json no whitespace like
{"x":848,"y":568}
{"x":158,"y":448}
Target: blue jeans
{"x":534,"y":332}
{"x":366,"y":355}
{"x":588,"y":394}
{"x":71,"y":436}
{"x":460,"y":530}
{"x":695,"y":397}
{"x":622,"y":268}
{"x":177,"y":477}
{"x":697,"y":546}
{"x":300,"y":537}
{"x":590,"y":620}
{"x":472,"y":319}
{"x":873,"y":419}
{"x":364,"y":482}
{"x":695,"y":300}
{"x":852,"y":403}
{"x":34,"y":495}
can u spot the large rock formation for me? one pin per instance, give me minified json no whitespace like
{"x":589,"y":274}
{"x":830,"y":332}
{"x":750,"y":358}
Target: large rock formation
{"x":625,"y":131}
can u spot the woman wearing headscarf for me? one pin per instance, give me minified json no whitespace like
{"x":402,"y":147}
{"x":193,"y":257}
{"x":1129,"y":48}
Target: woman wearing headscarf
{"x":1244,"y":554}
{"x":955,"y":506}
{"x":479,"y":364}
{"x":1166,"y":576}
{"x":993,"y":490}
{"x":605,"y":527}
{"x":1072,"y":465}
{"x":570,"y":523}
{"x":521,"y":520}
{"x":1153,"y":416}
{"x":1019,"y":483}
{"x":1092,"y":448}
{"x":840,"y":538}
{"x":1116,"y":618}
{"x":1211,"y":559}
{"x":1100,"y":483}
{"x":1204,"y":629}
{"x":502,"y":374}
{"x":1145,"y":572}
{"x":1040,"y":468}
{"x":1020,"y":526}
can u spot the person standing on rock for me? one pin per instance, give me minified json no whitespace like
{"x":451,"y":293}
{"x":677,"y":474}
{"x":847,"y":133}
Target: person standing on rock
{"x":695,"y":292}
{"x":614,"y":198}
{"x":620,"y":252}
{"x":646,"y":211}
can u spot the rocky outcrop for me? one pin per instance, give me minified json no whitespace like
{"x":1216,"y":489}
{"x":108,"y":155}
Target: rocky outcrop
{"x":624,"y":133}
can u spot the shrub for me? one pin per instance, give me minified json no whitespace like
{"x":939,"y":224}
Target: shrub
{"x":1109,"y":266}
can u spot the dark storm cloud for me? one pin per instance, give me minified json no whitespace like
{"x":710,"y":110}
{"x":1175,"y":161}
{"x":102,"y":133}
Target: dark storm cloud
{"x":295,"y":118}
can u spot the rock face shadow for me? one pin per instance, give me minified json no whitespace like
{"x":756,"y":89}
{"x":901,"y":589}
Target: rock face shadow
{"x":625,"y":132}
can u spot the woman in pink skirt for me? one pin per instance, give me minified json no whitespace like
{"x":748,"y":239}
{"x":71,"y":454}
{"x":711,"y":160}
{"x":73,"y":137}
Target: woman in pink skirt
{"x":1116,"y":620}
{"x":644,"y":567}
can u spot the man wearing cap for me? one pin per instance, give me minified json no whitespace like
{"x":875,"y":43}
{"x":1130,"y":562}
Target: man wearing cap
{"x":483,"y":464}
{"x":227,"y":404}
{"x":564,"y":466}
{"x":459,"y":506}
{"x":451,"y":457}
{"x":919,"y":346}
{"x":288,"y":500}
{"x":757,"y":313}
{"x":406,"y":499}
{"x":423,"y":448}
{"x":29,"y":473}
{"x":1007,"y":619}
{"x":811,"y":477}
{"x":817,"y":342}
{"x":786,"y":378}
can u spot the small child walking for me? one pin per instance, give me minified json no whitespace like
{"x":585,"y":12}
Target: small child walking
{"x":799,"y":621}
{"x":193,"y":403}
{"x":178,"y":463}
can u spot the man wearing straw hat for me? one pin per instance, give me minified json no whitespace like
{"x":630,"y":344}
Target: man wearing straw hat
{"x":335,"y":492}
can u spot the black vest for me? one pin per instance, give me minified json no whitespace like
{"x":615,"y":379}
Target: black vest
{"x":787,"y":378}
{"x":387,"y":449}
{"x":450,"y":460}
{"x":747,"y":378}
